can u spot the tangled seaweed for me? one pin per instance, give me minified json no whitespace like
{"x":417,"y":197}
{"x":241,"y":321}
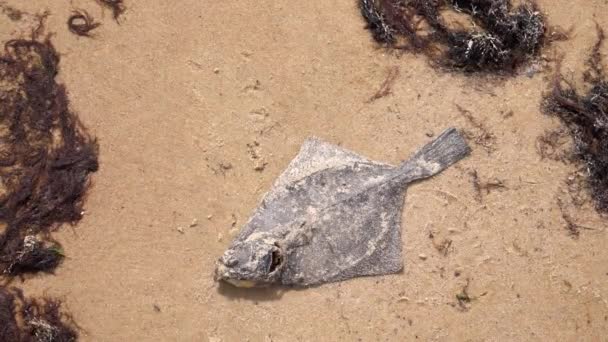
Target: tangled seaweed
{"x":46,"y":157}
{"x":30,"y":320}
{"x":117,"y":7}
{"x":502,"y":37}
{"x":81,"y":23}
{"x":586,"y":117}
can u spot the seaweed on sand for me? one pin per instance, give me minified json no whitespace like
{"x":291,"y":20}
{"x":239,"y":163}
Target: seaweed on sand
{"x":46,"y":157}
{"x":33,"y":320}
{"x":81,"y":23}
{"x":501,"y":36}
{"x":586,"y":117}
{"x":117,"y":7}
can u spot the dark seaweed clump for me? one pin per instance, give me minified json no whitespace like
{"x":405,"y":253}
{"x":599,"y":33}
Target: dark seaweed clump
{"x":46,"y":157}
{"x":30,"y":320}
{"x":586,"y":117}
{"x":502,"y":37}
{"x":117,"y":7}
{"x":81,"y":23}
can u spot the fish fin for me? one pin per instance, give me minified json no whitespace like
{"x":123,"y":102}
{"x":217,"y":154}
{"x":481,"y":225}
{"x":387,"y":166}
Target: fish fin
{"x":316,"y":155}
{"x":448,"y":148}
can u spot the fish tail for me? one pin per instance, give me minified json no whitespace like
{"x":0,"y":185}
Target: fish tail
{"x":448,"y":148}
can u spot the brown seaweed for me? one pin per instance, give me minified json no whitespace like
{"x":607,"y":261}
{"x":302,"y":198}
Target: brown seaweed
{"x":81,"y":23}
{"x":387,"y":85}
{"x":117,"y":7}
{"x":501,"y":38}
{"x":586,"y":117}
{"x":33,"y":320}
{"x":46,"y":157}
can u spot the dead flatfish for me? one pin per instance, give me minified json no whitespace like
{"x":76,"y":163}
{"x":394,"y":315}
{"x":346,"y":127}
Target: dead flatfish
{"x":332,"y":215}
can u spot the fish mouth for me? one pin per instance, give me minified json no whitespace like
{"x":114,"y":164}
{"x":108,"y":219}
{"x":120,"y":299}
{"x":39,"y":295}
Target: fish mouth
{"x":222,"y":276}
{"x":221,"y":272}
{"x":255,"y":263}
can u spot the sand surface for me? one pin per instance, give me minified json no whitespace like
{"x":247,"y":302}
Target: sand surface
{"x":199,"y":105}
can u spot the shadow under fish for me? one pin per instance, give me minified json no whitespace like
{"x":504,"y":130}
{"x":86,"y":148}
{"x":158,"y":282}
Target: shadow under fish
{"x":332,"y":215}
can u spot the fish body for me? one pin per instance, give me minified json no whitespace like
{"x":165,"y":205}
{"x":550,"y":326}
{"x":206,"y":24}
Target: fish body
{"x":332,"y":215}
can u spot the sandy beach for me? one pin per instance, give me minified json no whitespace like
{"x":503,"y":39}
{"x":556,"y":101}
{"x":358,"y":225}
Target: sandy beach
{"x":198,"y":106}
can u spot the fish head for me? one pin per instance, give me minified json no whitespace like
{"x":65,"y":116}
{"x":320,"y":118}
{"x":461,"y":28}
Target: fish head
{"x":257,"y":261}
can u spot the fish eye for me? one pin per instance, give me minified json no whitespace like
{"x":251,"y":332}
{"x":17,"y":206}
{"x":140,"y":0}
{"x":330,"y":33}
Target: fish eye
{"x":276,"y":259}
